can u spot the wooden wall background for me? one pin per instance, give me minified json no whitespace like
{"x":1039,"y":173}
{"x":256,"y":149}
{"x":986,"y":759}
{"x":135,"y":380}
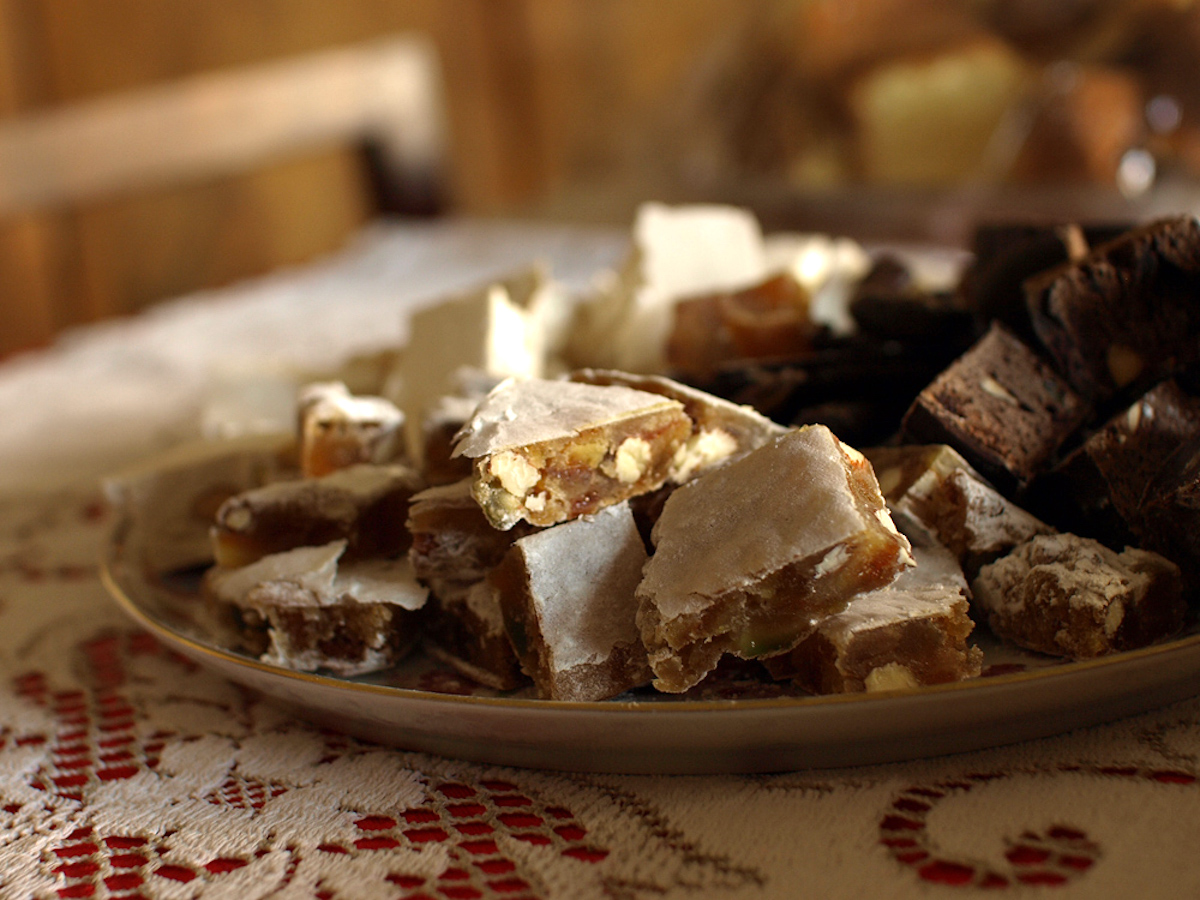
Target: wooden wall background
{"x":541,"y":94}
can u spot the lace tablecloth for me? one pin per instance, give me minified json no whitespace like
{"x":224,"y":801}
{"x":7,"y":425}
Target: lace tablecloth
{"x":126,"y":771}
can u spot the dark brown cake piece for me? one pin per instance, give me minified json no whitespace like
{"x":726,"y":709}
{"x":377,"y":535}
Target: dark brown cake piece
{"x":1071,"y":596}
{"x":1102,"y":488}
{"x":1001,"y":406}
{"x":1005,"y":255}
{"x":1127,"y":313}
{"x":1169,"y":517}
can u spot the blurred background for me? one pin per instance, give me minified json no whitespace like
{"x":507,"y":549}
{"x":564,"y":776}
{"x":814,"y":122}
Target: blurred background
{"x":148,"y":149}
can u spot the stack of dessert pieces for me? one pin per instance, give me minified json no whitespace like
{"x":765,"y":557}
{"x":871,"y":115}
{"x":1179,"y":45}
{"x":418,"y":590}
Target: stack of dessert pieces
{"x":591,"y":530}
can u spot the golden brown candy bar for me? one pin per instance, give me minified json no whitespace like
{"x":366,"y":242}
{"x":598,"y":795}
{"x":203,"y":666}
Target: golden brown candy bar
{"x":752,"y":555}
{"x":1072,"y":596}
{"x":365,"y":505}
{"x":549,"y":451}
{"x":338,"y":430}
{"x":567,"y":594}
{"x":721,"y":430}
{"x":912,"y":632}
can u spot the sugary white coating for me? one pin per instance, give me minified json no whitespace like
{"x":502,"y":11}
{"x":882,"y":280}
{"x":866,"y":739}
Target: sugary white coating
{"x":311,"y":577}
{"x":519,"y":413}
{"x":581,"y":579}
{"x":721,"y":430}
{"x":789,"y":500}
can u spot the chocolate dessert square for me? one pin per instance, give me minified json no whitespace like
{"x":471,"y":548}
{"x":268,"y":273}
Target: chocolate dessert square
{"x":1001,"y":406}
{"x":1126,"y":314}
{"x":1103,"y":487}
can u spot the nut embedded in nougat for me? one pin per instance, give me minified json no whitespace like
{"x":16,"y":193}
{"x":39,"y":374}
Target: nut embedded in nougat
{"x":549,"y":451}
{"x":752,"y":555}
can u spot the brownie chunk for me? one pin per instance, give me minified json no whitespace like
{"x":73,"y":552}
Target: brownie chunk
{"x":1005,"y":255}
{"x":1126,"y":315}
{"x":1001,"y":406}
{"x":1101,"y":489}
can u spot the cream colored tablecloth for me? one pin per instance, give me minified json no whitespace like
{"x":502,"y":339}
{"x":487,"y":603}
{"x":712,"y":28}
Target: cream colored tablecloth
{"x":126,"y":771}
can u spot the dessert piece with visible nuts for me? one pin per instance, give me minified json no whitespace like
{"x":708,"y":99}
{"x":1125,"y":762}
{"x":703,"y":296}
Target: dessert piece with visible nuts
{"x":911,"y":633}
{"x":338,"y":430}
{"x":720,"y":430}
{"x":364,"y":505}
{"x":308,"y":608}
{"x":567,"y":595}
{"x":1104,"y":487}
{"x":1125,"y":315}
{"x":549,"y":451}
{"x":453,"y":549}
{"x":750,"y":556}
{"x":1071,"y":596}
{"x":1003,"y":256}
{"x":1001,"y":407}
{"x":935,"y":485}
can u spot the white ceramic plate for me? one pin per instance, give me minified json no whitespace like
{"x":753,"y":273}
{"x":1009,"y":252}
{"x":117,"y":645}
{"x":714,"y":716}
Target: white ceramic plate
{"x":732,"y":725}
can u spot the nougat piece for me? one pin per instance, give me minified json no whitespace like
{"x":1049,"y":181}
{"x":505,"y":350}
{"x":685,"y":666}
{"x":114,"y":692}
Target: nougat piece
{"x":1001,"y":406}
{"x":1125,"y":314}
{"x":721,"y":430}
{"x":750,"y":556}
{"x":935,"y":485}
{"x":913,"y":632}
{"x":1102,"y":487}
{"x":338,"y":429}
{"x":453,"y":548}
{"x":549,"y":451}
{"x":497,"y":328}
{"x":309,"y":609}
{"x":677,"y":252}
{"x":1071,"y":596}
{"x":169,"y":501}
{"x":567,"y":595}
{"x":365,"y":505}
